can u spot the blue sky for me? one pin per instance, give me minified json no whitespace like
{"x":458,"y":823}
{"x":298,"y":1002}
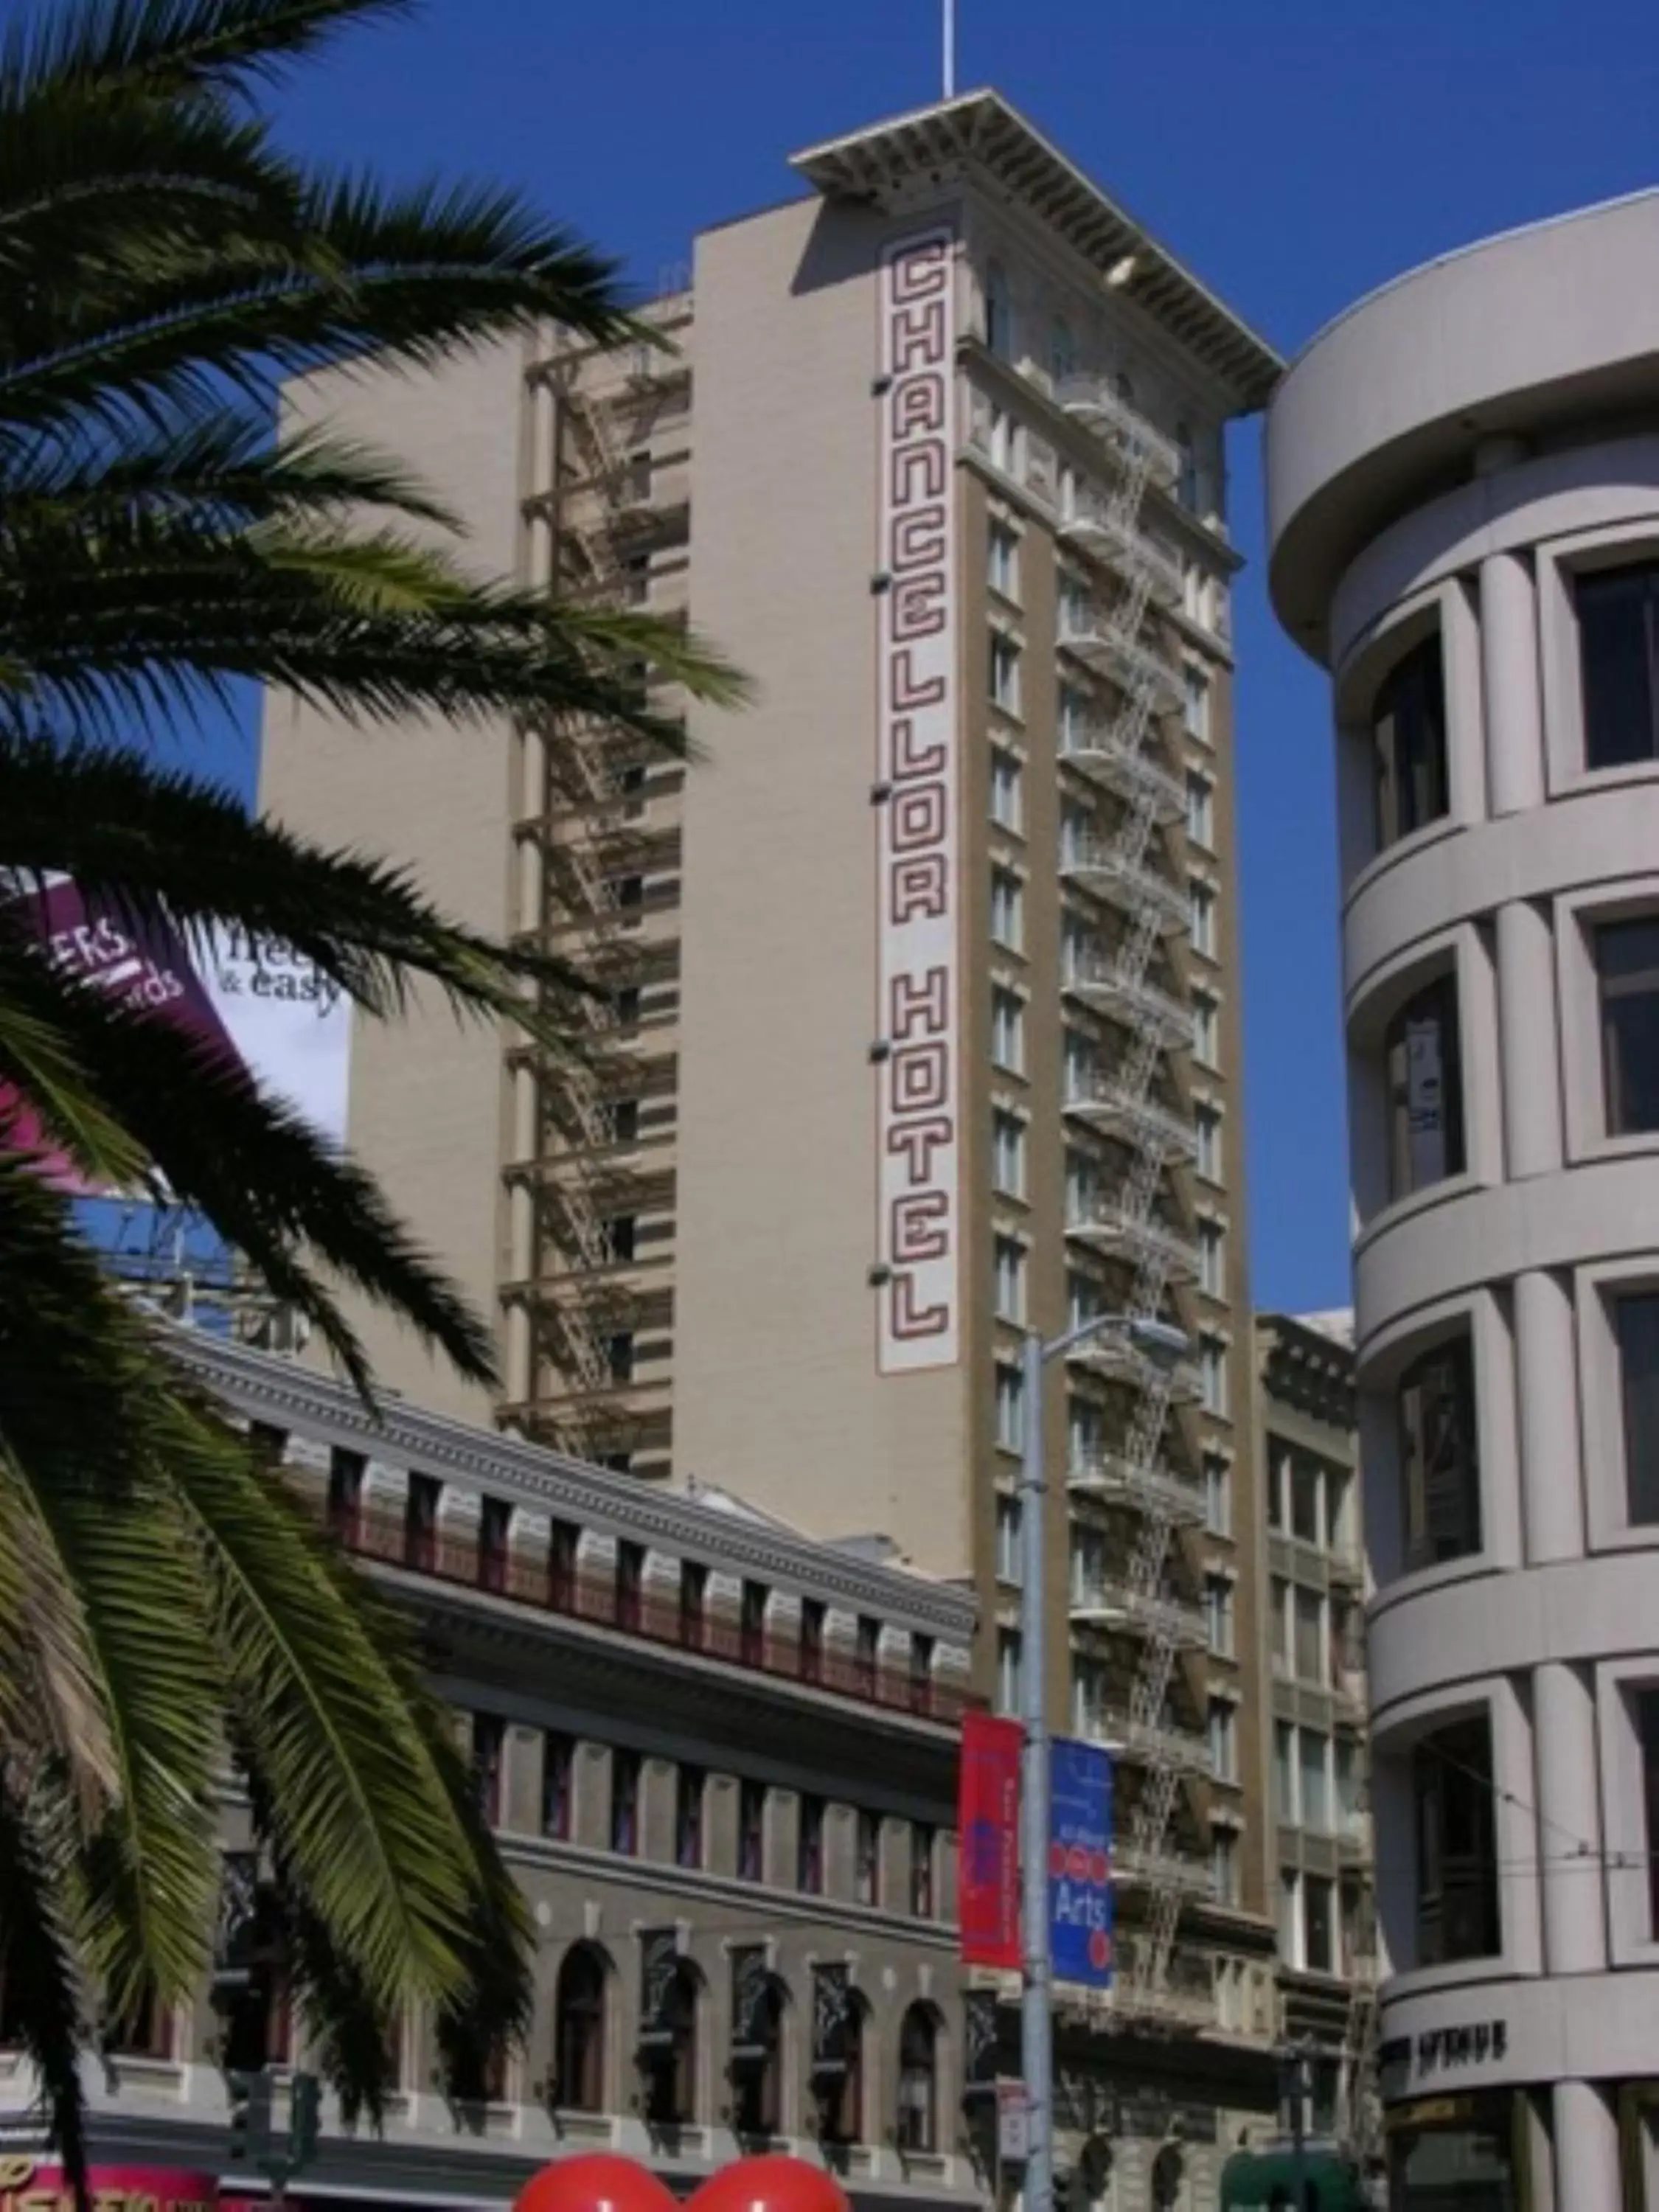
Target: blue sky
{"x":1295,"y":152}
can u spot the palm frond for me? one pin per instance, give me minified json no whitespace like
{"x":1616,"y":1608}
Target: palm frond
{"x":37,"y":1958}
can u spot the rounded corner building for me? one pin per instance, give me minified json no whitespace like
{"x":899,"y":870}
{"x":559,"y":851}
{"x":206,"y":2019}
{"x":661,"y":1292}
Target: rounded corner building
{"x":1463,"y":483}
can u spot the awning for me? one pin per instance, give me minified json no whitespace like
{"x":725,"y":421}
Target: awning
{"x":1267,"y":2179}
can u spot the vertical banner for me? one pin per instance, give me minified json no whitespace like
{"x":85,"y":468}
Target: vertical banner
{"x":1080,"y":1863}
{"x":988,"y":1823}
{"x":659,"y":1967}
{"x":832,"y":2017}
{"x":751,"y":1986}
{"x":918,"y":868}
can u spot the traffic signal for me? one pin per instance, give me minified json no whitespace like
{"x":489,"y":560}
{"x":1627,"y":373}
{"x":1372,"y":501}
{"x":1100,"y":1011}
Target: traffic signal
{"x":305,"y":2107}
{"x":249,"y":2116}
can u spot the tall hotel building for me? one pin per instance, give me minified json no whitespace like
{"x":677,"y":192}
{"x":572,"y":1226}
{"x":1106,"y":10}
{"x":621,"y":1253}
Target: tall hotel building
{"x":922,"y":1020}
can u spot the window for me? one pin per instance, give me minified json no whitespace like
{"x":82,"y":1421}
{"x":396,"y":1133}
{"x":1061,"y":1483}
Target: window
{"x":694,"y":1605}
{"x":1350,"y":1809}
{"x":579,"y":2008}
{"x":1195,"y":711}
{"x":1005,"y":673}
{"x":1408,"y":744}
{"x":1007,"y":909}
{"x":1307,"y":1523}
{"x":1457,"y":1844}
{"x":1278,"y":1487}
{"x":1010,"y":1566}
{"x":1646,"y":1705}
{"x":1318,"y":1925}
{"x":420,"y":1523}
{"x":495,"y":1520}
{"x":1201,"y":919}
{"x":619,"y":1355}
{"x":1091,"y":1697}
{"x":1223,"y":1740}
{"x":1636,"y":1325}
{"x":998,"y":311}
{"x":1200,"y":808}
{"x":1627,"y":963}
{"x":811,"y":1639}
{"x":621,"y":1233}
{"x":844,"y":2118}
{"x":921,"y":1673}
{"x":1618,"y":652}
{"x":809,"y":1848}
{"x":867,"y":1648}
{"x":1290,"y":1916}
{"x":345,"y":1496}
{"x":1009,"y":1256}
{"x":1217,"y":1496}
{"x":1312,"y":1655}
{"x":563,"y":1542}
{"x":1002,"y":561}
{"x":558,"y":1775}
{"x":1212,"y":1375}
{"x":1011,"y":1408}
{"x":630,"y":1585}
{"x":625,"y":1803}
{"x":1074,"y":717}
{"x":1423,"y":1070}
{"x":1280,"y":1631}
{"x":1074,"y":608}
{"x":758,"y":2080}
{"x":1062,"y":349}
{"x":143,"y":2031}
{"x":1206,"y":1030}
{"x":922,"y":1871}
{"x":1206,"y":1130}
{"x":1008,"y":1670}
{"x":1005,"y":442}
{"x":751,"y":1624}
{"x":1086,"y":1425}
{"x":1314,"y":1780}
{"x":918,"y":2082}
{"x":1439,"y":1466}
{"x":671,"y":2096}
{"x":1227,"y":1878}
{"x":1007,"y":788}
{"x":1285,"y":1803}
{"x":867,"y":1866}
{"x":751,"y":1831}
{"x":1008,"y":1030}
{"x":1212,"y":1259}
{"x":1008,"y":1153}
{"x":1187,"y":483}
{"x":688,"y":1816}
{"x":489,"y":1739}
{"x":1219,"y":1614}
{"x":1082,"y":1188}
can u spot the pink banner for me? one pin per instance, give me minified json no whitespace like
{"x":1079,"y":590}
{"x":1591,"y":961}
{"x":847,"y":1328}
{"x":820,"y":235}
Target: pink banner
{"x":988,"y":1890}
{"x":28,"y":2185}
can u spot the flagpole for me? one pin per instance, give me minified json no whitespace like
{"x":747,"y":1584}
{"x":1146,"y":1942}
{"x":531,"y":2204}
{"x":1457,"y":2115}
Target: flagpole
{"x":950,"y":49}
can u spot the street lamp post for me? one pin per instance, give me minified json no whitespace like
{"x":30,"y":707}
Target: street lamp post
{"x":1161,"y":1341}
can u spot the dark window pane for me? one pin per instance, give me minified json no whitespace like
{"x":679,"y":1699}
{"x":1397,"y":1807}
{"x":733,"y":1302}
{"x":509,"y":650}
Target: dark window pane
{"x":1627,"y":960}
{"x":1423,"y":1070}
{"x":1616,"y":645}
{"x":625,"y":1803}
{"x":1457,"y":1844}
{"x":1647,"y":1724}
{"x":1408,"y":730}
{"x":751,"y":1830}
{"x":580,"y":2031}
{"x":1636,"y":1321}
{"x":809,"y":1865}
{"x":1439,"y":1462}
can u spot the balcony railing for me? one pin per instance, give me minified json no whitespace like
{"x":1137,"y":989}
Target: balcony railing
{"x":1131,"y":998}
{"x":1096,"y":634}
{"x":1115,"y":1359}
{"x":1107,"y":1601}
{"x":1110,"y":532}
{"x":553,"y":1585}
{"x":1120,"y":1481}
{"x":1112,"y":1104}
{"x":1096,"y":404}
{"x":1147,"y":1739}
{"x":1112,"y":872}
{"x":1122,"y":1233}
{"x":1104,"y":746}
{"x":1181,"y":1871}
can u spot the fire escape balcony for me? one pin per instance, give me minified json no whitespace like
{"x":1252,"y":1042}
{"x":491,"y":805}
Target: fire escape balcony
{"x":1112,"y":532}
{"x":1117,"y":1229}
{"x":1112,"y":989}
{"x":1098,"y":635}
{"x":1107,"y":1101}
{"x":1114,"y":1358}
{"x":1103,"y":747}
{"x":1109,"y":871}
{"x":1109,"y":1602}
{"x":1164,"y":1868}
{"x":1094,"y":402}
{"x":1148,"y":1742}
{"x":1117,"y":1480}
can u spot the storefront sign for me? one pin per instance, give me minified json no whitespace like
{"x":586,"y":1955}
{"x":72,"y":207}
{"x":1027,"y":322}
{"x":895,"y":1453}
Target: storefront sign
{"x":1438,"y":2050}
{"x":26,"y":2185}
{"x":1013,"y":2124}
{"x":987,"y":1821}
{"x":919,"y":920}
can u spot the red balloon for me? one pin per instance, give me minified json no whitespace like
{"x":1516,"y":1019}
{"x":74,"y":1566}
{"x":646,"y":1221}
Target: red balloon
{"x":774,"y":2184}
{"x":597,"y":2181}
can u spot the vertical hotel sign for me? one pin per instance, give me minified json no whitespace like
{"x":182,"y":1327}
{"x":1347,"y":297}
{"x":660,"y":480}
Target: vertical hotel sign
{"x":919,"y":1116}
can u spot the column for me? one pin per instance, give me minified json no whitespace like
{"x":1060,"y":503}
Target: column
{"x":1547,"y":1425}
{"x":1509,"y":680}
{"x":1586,"y":2148}
{"x":1528,"y":1042}
{"x":1569,"y":1814}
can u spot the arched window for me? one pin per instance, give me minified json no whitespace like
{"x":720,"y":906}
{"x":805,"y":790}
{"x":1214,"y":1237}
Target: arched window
{"x":917,"y":2081}
{"x":1062,"y":352}
{"x":1169,"y":2173}
{"x":998,"y":311}
{"x":671,"y":2101}
{"x":757,"y":2078}
{"x":579,"y":2026}
{"x":844,"y":2118}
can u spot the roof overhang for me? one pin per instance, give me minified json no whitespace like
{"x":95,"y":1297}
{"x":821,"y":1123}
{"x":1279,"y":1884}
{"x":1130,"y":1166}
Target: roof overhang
{"x":980,"y":134}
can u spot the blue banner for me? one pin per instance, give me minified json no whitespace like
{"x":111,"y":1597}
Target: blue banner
{"x":1080,"y":1863}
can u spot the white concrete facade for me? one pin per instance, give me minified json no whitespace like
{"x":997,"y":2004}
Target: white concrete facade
{"x":1450,"y":460}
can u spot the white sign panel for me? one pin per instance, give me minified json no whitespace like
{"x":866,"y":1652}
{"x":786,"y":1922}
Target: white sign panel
{"x":918,"y":1116}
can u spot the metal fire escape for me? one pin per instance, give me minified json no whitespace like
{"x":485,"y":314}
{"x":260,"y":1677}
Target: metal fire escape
{"x":1119,"y":750}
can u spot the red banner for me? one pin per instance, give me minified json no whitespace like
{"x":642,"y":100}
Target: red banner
{"x":988,"y":1820}
{"x":28,"y":2185}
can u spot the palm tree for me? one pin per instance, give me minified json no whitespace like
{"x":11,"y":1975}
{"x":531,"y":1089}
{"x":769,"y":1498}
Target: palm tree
{"x":171,"y":1622}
